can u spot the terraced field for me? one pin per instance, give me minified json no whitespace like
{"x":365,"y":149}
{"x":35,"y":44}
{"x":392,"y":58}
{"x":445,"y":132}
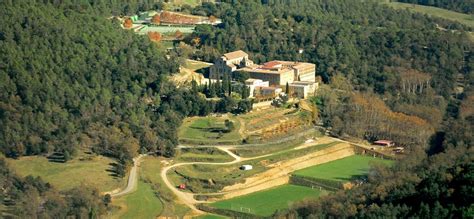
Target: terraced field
{"x":209,"y":130}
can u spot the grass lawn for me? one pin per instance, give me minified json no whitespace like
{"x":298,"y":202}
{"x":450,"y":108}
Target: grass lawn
{"x":208,"y":130}
{"x":210,"y":216}
{"x":343,"y":169}
{"x":196,"y":65}
{"x":143,"y":203}
{"x":265,"y":203}
{"x":65,"y":176}
{"x":465,"y":19}
{"x":150,"y":171}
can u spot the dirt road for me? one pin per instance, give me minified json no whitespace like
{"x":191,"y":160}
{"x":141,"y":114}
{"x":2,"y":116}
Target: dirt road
{"x":132,"y":179}
{"x":186,"y":197}
{"x":278,"y":174}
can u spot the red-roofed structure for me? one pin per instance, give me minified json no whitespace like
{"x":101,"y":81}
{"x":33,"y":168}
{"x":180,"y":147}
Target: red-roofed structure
{"x":386,"y":143}
{"x":272,"y":65}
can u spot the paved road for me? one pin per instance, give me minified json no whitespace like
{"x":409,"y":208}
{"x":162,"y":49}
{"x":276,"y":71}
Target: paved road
{"x":132,"y":178}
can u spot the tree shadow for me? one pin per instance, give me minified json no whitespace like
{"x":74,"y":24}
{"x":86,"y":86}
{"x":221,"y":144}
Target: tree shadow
{"x":352,"y":177}
{"x":112,"y":170}
{"x":56,"y":157}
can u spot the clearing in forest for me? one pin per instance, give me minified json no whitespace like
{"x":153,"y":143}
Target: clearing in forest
{"x":462,"y":18}
{"x":95,"y":171}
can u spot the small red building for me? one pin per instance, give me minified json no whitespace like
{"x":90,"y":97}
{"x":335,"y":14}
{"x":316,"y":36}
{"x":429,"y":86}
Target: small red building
{"x":182,"y":186}
{"x":385,"y":143}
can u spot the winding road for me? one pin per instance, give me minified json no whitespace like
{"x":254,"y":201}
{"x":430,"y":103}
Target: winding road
{"x":277,"y":175}
{"x":132,"y":179}
{"x":186,"y":197}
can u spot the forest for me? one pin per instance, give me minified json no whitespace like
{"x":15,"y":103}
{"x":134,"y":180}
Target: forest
{"x":465,"y":6}
{"x":72,"y":80}
{"x":390,"y":74}
{"x":368,"y":48}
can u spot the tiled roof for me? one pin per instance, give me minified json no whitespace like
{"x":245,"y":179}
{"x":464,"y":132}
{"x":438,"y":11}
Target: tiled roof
{"x":272,"y":64}
{"x":235,"y":54}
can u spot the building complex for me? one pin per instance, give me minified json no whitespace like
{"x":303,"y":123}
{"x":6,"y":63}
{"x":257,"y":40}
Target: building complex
{"x":269,"y":77}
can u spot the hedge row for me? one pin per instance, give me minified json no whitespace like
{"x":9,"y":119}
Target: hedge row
{"x":226,"y":212}
{"x":188,"y":141}
{"x":330,"y":185}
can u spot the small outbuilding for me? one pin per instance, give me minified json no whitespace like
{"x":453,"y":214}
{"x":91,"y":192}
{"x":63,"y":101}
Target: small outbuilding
{"x":399,"y":150}
{"x":385,"y":143}
{"x":246,"y":167}
{"x":182,"y":186}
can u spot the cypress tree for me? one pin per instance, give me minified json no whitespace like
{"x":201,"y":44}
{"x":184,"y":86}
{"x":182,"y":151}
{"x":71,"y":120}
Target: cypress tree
{"x":229,"y":86}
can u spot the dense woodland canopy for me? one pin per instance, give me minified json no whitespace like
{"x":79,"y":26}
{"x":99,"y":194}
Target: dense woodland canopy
{"x":72,"y":80}
{"x":463,"y":6}
{"x":392,"y":75}
{"x":357,"y":40}
{"x":357,"y":46}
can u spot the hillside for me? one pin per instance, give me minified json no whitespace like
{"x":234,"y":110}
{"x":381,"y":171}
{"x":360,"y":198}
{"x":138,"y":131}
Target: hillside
{"x":90,"y":78}
{"x":466,"y":19}
{"x":464,"y":6}
{"x":83,"y":100}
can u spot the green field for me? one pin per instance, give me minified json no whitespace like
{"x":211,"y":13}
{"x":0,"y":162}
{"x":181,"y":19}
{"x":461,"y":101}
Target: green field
{"x":342,"y":170}
{"x":143,"y":203}
{"x":91,"y":171}
{"x":465,"y":19}
{"x":210,"y":216}
{"x":265,"y":203}
{"x":196,"y":65}
{"x":208,"y":130}
{"x":150,"y":172}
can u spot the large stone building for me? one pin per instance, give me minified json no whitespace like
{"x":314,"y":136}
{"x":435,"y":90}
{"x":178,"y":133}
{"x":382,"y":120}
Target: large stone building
{"x":302,"y":89}
{"x":277,"y":73}
{"x":229,"y":63}
{"x":252,"y":84}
